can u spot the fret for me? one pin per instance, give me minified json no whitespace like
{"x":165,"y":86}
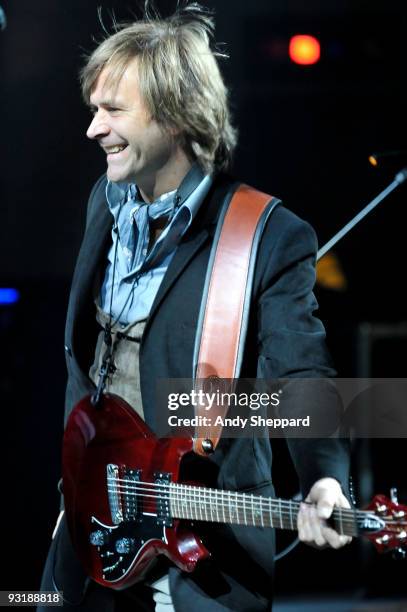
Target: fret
{"x":244,"y":510}
{"x":192,"y":494}
{"x":238,"y":517}
{"x":230,"y":506}
{"x":291,"y":515}
{"x":175,"y":500}
{"x":172,"y":500}
{"x":223,"y":500}
{"x":184,"y":503}
{"x":178,"y":498}
{"x":260,"y":502}
{"x":270,"y":512}
{"x":202,"y":499}
{"x":339,"y":511}
{"x":198,"y":497}
{"x":253,"y":521}
{"x":216,"y":496}
{"x":280,"y":514}
{"x":190,"y":491}
{"x":205,"y":507}
{"x":211,"y":503}
{"x":180,"y":503}
{"x":189,"y":498}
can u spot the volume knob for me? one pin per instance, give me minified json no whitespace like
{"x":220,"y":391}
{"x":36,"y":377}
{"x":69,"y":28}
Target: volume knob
{"x":124,"y":545}
{"x":97,"y":538}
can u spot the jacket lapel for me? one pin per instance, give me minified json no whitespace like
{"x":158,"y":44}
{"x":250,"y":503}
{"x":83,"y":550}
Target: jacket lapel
{"x":90,"y":260}
{"x":200,"y":231}
{"x":184,"y":253}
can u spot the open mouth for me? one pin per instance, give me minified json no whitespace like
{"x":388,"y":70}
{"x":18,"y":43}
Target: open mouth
{"x":116,"y":149}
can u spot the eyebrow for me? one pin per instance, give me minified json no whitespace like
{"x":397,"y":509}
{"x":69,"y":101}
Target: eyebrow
{"x":114,"y":102}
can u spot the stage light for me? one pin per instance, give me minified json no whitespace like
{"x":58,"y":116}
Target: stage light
{"x":304,"y":49}
{"x":9,"y":296}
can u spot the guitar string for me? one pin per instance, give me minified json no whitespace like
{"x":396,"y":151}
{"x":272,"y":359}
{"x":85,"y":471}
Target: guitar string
{"x":348,"y":515}
{"x":192,"y":492}
{"x":231,"y":506}
{"x":205,"y":512}
{"x":286,"y":519}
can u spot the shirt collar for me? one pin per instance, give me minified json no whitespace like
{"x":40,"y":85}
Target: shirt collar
{"x":117,"y":192}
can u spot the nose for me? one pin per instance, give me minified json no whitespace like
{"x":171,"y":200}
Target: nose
{"x":98,"y":127}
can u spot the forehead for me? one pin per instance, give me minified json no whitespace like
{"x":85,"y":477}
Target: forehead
{"x":116,"y":81}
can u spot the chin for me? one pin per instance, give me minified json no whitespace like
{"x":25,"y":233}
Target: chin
{"x":116,"y":177}
{"x":120,"y":174}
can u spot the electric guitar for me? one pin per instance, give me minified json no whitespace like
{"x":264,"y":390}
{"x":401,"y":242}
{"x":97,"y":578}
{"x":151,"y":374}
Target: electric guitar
{"x":124,"y":504}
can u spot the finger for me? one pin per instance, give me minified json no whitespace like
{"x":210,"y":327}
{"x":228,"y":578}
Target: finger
{"x":304,"y":529}
{"x":325,"y":505}
{"x":343,"y":502}
{"x":309,"y":531}
{"x":316,"y":527}
{"x":334,"y":539}
{"x":325,"y":499}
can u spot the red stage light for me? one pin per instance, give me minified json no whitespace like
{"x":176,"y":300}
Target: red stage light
{"x":304,"y":49}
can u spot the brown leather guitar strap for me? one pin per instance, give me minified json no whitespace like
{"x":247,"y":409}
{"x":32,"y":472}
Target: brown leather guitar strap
{"x":225,"y":304}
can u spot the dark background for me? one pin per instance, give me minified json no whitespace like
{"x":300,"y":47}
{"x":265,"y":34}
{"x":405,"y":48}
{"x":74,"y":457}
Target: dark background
{"x":305,"y":135}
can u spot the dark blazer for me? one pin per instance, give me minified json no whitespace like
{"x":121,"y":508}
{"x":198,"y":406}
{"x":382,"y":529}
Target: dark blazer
{"x":284,"y":340}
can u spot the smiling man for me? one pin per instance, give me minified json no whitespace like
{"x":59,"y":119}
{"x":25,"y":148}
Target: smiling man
{"x":160,"y":113}
{"x":138,"y":148}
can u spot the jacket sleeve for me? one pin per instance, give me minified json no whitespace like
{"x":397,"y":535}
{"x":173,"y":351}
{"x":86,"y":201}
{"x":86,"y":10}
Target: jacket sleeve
{"x":291,"y":345}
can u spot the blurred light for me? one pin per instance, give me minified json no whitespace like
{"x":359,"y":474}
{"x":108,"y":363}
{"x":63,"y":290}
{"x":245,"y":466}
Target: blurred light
{"x":373,"y":160}
{"x":304,"y":49}
{"x":3,"y":20}
{"x":9,"y":296}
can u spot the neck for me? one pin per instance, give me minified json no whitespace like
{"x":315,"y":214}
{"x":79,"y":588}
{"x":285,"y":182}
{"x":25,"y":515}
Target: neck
{"x":198,"y":503}
{"x":166,"y":178}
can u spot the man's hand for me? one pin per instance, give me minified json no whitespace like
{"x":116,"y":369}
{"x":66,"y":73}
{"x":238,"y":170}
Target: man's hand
{"x":312,"y":528}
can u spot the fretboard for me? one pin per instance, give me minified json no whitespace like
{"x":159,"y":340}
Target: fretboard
{"x":214,"y":505}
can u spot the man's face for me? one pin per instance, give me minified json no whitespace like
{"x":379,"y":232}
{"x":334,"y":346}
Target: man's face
{"x":137,"y":147}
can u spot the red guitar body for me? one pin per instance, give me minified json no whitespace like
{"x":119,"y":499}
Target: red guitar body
{"x":123,"y":497}
{"x":116,"y":537}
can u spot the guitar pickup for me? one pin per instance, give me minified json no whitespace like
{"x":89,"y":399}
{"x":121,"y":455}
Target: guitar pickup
{"x":163,"y":479}
{"x":131,"y":495}
{"x":123,"y":493}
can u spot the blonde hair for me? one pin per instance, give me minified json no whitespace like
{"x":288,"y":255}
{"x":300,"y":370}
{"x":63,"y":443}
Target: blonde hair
{"x":179,"y":78}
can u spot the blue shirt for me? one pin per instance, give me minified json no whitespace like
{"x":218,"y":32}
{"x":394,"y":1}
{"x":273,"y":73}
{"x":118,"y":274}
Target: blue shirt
{"x":136,"y":280}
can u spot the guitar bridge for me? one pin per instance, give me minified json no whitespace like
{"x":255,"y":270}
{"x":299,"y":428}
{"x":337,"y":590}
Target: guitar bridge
{"x":122,"y":493}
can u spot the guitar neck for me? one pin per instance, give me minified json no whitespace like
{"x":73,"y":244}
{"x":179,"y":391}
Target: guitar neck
{"x":217,"y":506}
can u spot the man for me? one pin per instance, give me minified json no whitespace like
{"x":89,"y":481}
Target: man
{"x":160,"y":113}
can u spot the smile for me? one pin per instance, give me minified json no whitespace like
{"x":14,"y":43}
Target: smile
{"x":116,"y":149}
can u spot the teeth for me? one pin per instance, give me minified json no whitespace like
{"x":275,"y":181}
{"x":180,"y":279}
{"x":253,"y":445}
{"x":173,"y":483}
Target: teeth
{"x":116,"y":149}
